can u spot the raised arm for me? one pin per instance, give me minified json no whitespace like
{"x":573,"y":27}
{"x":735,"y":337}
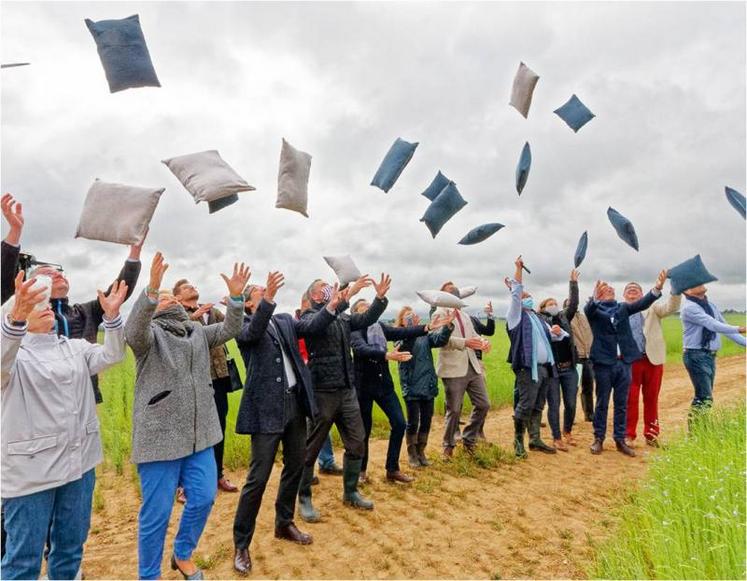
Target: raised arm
{"x":669,"y":307}
{"x":401,"y":333}
{"x":11,"y":246}
{"x":219,"y":333}
{"x":370,"y":316}
{"x":572,"y":308}
{"x":254,"y":327}
{"x":101,"y":357}
{"x":513,"y":315}
{"x":138,"y":331}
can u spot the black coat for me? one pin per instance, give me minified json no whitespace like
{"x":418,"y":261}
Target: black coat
{"x":563,"y":320}
{"x":262,"y":409}
{"x":330,"y":362}
{"x":486,"y":330}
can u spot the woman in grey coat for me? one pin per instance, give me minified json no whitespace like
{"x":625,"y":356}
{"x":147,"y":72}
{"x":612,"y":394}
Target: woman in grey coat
{"x":175,"y":423}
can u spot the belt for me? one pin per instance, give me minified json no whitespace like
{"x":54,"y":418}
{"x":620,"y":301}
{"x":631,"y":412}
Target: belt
{"x":704,"y":350}
{"x":565,"y":365}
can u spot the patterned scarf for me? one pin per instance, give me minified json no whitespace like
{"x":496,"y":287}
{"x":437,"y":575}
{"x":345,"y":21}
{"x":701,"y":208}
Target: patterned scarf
{"x":174,"y":320}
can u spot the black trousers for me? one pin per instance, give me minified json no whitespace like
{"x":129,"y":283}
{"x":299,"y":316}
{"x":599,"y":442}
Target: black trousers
{"x":221,"y":389}
{"x":264,"y":448}
{"x":389,"y":404}
{"x":419,"y":415}
{"x":341,"y":409}
{"x":587,"y":388}
{"x":531,"y":395}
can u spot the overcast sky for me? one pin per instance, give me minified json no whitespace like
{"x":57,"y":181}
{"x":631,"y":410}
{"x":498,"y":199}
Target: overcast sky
{"x":341,"y":81}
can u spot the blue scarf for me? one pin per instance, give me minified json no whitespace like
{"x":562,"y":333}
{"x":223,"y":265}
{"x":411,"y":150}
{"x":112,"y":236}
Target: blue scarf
{"x":539,"y":333}
{"x":375,"y":336}
{"x":707,"y":335}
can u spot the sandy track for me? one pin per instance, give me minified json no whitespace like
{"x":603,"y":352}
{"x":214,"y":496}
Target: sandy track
{"x":537,"y":518}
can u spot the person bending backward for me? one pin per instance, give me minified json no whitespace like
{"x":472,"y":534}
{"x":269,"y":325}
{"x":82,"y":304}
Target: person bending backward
{"x":647,"y":371}
{"x":175,"y":424}
{"x":419,"y":382}
{"x":331,"y":367}
{"x":50,"y":432}
{"x":612,"y":352}
{"x":565,"y":383}
{"x":702,"y":327}
{"x":277,"y":398}
{"x":582,"y":338}
{"x":531,"y":358}
{"x":461,"y":371}
{"x":374,"y":382}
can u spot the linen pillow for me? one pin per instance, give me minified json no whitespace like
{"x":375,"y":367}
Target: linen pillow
{"x":480,"y":233}
{"x":344,"y":268}
{"x":583,"y":244}
{"x":123,"y":53}
{"x":398,"y":156}
{"x":689,"y":274}
{"x":574,"y":113}
{"x":206,"y":176}
{"x":443,"y":208}
{"x":293,"y":179}
{"x":117,"y":213}
{"x":736,"y":200}
{"x":522,"y":168}
{"x":216,"y":205}
{"x":437,"y":298}
{"x":437,"y":186}
{"x":467,"y":291}
{"x":523,"y":88}
{"x":623,"y":227}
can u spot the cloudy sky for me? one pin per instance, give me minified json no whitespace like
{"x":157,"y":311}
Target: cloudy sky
{"x":342,"y":81}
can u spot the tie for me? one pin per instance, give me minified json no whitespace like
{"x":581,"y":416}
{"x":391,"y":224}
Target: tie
{"x":461,"y":325}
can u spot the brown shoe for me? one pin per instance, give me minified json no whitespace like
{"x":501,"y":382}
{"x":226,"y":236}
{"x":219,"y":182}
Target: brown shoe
{"x":560,"y":445}
{"x":225,"y":485}
{"x":180,"y":496}
{"x":399,"y":476}
{"x":570,"y":440}
{"x":291,"y":533}
{"x":597,"y":446}
{"x":242,"y":562}
{"x":448,"y":453}
{"x":623,"y":447}
{"x":653,"y":442}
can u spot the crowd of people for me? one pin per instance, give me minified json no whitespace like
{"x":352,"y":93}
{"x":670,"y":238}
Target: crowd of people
{"x":326,"y":364}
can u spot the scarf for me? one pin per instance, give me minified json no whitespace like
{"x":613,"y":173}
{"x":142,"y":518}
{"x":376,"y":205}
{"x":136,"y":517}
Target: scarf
{"x":539,"y":333}
{"x":174,"y":320}
{"x":707,"y":335}
{"x":375,"y":336}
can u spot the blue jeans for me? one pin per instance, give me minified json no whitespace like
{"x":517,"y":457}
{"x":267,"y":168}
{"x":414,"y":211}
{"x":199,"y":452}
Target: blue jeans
{"x":611,"y":379}
{"x":566,"y":384}
{"x":701,"y":366}
{"x":64,"y":513}
{"x":198,"y":476}
{"x":326,"y":455}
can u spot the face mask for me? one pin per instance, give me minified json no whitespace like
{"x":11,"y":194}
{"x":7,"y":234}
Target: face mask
{"x":409,"y":320}
{"x":326,"y":293}
{"x":528,"y":303}
{"x":553,"y":310}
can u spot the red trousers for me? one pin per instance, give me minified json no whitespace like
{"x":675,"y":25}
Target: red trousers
{"x":645,"y":377}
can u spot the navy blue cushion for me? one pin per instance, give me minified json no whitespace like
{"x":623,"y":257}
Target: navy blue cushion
{"x":689,"y":274}
{"x":481,"y":233}
{"x":436,"y":187}
{"x":574,"y":113}
{"x":123,"y":53}
{"x":441,"y":210}
{"x":398,"y":156}
{"x":583,"y":244}
{"x":522,"y":169}
{"x":220,"y":203}
{"x":623,"y":227}
{"x":736,"y":200}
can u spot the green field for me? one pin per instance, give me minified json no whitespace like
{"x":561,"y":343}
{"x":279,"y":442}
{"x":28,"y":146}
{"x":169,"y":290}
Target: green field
{"x":117,"y":387}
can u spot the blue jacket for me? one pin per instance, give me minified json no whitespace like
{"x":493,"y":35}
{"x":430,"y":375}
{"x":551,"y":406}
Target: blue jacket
{"x":610,"y":325}
{"x":418,"y":375}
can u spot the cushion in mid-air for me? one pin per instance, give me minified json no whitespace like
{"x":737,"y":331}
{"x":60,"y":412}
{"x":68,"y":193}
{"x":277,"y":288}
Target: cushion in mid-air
{"x":437,"y":186}
{"x":574,"y":113}
{"x":398,"y":156}
{"x":443,"y":208}
{"x":523,"y":88}
{"x":437,"y":298}
{"x":736,"y":200}
{"x":123,"y":53}
{"x":293,"y":179}
{"x":583,"y":244}
{"x":480,"y":233}
{"x":522,"y":168}
{"x":689,"y":274}
{"x":206,"y":176}
{"x":117,"y":213}
{"x":344,"y":268}
{"x":623,"y":227}
{"x":467,"y":291}
{"x":217,"y":205}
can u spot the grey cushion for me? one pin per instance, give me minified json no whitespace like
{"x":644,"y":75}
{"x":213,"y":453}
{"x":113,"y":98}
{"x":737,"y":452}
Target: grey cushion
{"x":437,"y":186}
{"x":574,"y":113}
{"x":689,"y":274}
{"x":583,"y":244}
{"x":623,"y":227}
{"x":217,"y":205}
{"x":398,"y":156}
{"x":293,"y":179}
{"x":467,"y":291}
{"x":522,"y":168}
{"x":206,"y":176}
{"x":523,"y":88}
{"x":736,"y":200}
{"x":344,"y":268}
{"x":117,"y":213}
{"x":437,"y":298}
{"x":443,"y":208}
{"x":480,"y":233}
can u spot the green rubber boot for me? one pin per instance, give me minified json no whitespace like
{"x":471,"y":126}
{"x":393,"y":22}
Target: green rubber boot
{"x":519,"y":428}
{"x":351,"y":469}
{"x":535,"y":442}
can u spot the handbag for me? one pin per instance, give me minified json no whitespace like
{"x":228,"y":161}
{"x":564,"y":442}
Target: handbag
{"x":233,"y":373}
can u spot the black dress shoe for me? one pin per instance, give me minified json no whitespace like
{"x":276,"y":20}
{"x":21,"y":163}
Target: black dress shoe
{"x":242,"y":562}
{"x":333,"y":470}
{"x":291,"y":533}
{"x":625,"y":449}
{"x":597,"y":446}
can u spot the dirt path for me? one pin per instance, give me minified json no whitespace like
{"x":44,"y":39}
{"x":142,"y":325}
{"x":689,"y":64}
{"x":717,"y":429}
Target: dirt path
{"x":531,"y":519}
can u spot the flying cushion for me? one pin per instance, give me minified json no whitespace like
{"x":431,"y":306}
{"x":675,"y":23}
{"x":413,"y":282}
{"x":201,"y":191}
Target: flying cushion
{"x":523,"y":88}
{"x":117,"y":213}
{"x":467,"y":291}
{"x":398,"y":156}
{"x":689,"y":274}
{"x":344,"y":268}
{"x":437,"y":186}
{"x":583,"y":244}
{"x":437,"y":298}
{"x":124,"y":54}
{"x":443,"y":208}
{"x":293,"y":179}
{"x":481,"y":233}
{"x":206,"y":176}
{"x":574,"y":113}
{"x":522,"y":169}
{"x":623,"y":227}
{"x":216,"y":205}
{"x":736,"y":200}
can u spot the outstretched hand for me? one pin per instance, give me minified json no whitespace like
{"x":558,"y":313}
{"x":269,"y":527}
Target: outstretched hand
{"x":574,"y":275}
{"x":397,"y":355}
{"x":238,"y":280}
{"x":661,"y":279}
{"x":382,"y":287}
{"x":112,"y":302}
{"x":275,"y":280}
{"x":361,"y":282}
{"x":13,"y":213}
{"x":489,"y":309}
{"x":157,"y":269}
{"x":25,"y":297}
{"x":337,"y":297}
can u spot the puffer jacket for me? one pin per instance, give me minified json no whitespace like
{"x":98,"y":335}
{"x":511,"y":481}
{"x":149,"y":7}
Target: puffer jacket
{"x":418,"y":375}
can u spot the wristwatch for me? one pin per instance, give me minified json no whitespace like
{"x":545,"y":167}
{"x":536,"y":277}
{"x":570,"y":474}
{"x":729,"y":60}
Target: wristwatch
{"x":13,"y":323}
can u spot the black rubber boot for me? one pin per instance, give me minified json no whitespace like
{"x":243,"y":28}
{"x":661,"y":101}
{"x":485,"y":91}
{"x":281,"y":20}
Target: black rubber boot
{"x":306,"y":509}
{"x":535,"y":442}
{"x":351,"y":469}
{"x":422,"y":444}
{"x":519,"y":428}
{"x":412,"y":453}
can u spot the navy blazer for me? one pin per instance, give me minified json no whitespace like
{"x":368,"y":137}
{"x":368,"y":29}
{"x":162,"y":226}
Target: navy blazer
{"x":262,"y":408}
{"x":609,"y":332}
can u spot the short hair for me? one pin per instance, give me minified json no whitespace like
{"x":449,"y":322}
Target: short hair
{"x":633,"y":283}
{"x":178,"y":284}
{"x":447,"y":283}
{"x":310,"y":289}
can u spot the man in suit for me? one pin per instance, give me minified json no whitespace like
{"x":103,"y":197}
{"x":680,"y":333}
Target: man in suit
{"x":613,"y":350}
{"x":277,"y":397}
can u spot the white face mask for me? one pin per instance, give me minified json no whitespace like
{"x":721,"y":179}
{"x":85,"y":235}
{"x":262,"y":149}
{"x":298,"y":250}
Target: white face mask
{"x":552,"y":310}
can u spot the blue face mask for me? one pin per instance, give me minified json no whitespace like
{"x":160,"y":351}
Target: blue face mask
{"x":527,"y":303}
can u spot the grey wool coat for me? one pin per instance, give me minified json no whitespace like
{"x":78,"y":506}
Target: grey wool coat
{"x":174,"y":412}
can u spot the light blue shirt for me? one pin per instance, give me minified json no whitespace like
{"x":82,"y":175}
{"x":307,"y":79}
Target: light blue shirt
{"x":513,"y":318}
{"x":636,"y":326}
{"x":694,"y":319}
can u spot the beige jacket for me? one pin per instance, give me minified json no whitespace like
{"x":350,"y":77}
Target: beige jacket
{"x":454,"y":358}
{"x":582,"y":335}
{"x":656,"y":346}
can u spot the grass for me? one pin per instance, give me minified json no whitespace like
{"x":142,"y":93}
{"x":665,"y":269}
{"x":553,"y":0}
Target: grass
{"x":687,"y":520}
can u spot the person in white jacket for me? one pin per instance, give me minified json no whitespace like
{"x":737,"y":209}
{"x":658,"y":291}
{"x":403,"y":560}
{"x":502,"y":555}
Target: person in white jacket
{"x":50,"y":432}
